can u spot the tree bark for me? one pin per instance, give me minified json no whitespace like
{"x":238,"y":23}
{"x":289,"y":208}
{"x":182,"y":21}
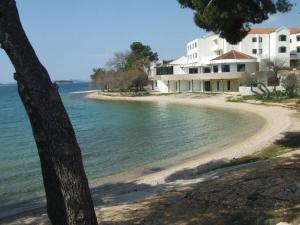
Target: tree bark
{"x":68,"y":195}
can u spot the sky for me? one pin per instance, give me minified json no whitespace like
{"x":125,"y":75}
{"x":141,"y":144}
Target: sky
{"x":71,"y":37}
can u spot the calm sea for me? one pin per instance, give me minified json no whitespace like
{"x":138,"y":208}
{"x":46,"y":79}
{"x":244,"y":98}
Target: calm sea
{"x":115,"y":137}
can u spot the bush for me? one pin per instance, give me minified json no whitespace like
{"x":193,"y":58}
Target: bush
{"x":290,"y":83}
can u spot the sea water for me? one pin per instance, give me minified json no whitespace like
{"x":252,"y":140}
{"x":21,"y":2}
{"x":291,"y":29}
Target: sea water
{"x":115,"y":138}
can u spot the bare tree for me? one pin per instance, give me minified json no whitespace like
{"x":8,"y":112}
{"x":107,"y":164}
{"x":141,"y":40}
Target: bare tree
{"x":68,"y":195}
{"x":273,"y":66}
{"x":119,"y":61}
{"x":258,"y":80}
{"x":289,"y":80}
{"x":124,"y":80}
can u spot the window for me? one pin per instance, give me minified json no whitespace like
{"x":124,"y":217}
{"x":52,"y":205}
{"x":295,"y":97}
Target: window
{"x":241,"y":67}
{"x":282,"y":37}
{"x":196,"y":55}
{"x":228,"y":85}
{"x":260,"y":39}
{"x":218,"y":85}
{"x":298,"y":38}
{"x":193,"y":70}
{"x":254,"y":51}
{"x":164,"y":70}
{"x":206,"y":70}
{"x":260,"y":51}
{"x":225,"y":68}
{"x":290,"y":40}
{"x":215,"y":69}
{"x":298,"y":49}
{"x":195,"y":44}
{"x":254,"y":39}
{"x":282,"y":49}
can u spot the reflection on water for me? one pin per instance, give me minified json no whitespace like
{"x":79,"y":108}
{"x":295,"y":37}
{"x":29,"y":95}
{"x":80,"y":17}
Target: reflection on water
{"x":114,"y":137}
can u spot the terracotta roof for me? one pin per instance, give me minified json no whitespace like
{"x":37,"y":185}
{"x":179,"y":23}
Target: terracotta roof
{"x":233,"y":54}
{"x":262,"y":30}
{"x":294,"y":30}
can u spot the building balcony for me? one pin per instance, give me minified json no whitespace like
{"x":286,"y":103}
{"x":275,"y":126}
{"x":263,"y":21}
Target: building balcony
{"x":200,"y":76}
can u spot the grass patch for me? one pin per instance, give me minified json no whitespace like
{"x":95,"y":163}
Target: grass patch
{"x":271,"y":98}
{"x":125,"y":94}
{"x":266,"y":154}
{"x":272,"y":151}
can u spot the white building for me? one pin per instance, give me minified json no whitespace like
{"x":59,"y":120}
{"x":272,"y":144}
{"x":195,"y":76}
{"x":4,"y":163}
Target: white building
{"x":212,"y":64}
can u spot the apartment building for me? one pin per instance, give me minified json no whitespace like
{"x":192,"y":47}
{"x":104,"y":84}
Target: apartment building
{"x":212,"y":64}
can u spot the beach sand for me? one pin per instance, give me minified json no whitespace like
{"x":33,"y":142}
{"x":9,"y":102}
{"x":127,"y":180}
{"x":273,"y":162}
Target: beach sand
{"x":278,"y":120}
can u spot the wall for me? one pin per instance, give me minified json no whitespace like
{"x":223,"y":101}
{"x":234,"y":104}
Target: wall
{"x":275,"y":44}
{"x":246,"y":91}
{"x":197,"y":85}
{"x":162,"y":86}
{"x":293,"y":46}
{"x":191,"y":50}
{"x":178,"y":69}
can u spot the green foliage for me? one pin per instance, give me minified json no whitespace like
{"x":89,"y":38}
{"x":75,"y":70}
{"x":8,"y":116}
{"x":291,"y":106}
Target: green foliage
{"x":289,"y":81}
{"x":140,"y":56}
{"x":232,"y":19}
{"x":128,"y":70}
{"x":140,"y":51}
{"x":277,"y":96}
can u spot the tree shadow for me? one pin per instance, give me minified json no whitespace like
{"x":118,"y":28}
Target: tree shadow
{"x":289,"y":140}
{"x":260,"y":194}
{"x":119,"y":193}
{"x":103,"y":195}
{"x":242,"y":191}
{"x":214,"y":165}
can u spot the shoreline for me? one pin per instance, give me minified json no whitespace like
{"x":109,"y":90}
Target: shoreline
{"x":277,"y":120}
{"x":271,"y":131}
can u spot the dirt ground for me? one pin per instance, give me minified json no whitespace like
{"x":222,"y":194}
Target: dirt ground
{"x":265,"y":194}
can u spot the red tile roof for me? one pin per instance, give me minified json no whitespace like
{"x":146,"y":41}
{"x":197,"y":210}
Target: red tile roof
{"x":293,"y":30}
{"x":233,"y":54}
{"x":262,"y":30}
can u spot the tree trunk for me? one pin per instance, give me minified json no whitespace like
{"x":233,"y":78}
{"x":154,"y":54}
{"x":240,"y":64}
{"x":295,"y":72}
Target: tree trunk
{"x":68,"y":195}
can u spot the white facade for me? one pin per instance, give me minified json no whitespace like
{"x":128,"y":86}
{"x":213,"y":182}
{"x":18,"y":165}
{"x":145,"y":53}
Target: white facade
{"x":295,"y":45}
{"x":214,"y":55}
{"x":262,"y":43}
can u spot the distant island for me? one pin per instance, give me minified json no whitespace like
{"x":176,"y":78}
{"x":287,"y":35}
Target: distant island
{"x":64,"y":81}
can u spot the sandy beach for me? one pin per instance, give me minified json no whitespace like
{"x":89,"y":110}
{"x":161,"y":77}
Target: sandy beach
{"x":277,"y":121}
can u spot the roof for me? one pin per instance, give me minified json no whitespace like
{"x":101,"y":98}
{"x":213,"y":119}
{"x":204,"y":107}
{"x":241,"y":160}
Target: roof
{"x":294,"y":30}
{"x":233,"y":54}
{"x":262,"y":30}
{"x":181,"y":60}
